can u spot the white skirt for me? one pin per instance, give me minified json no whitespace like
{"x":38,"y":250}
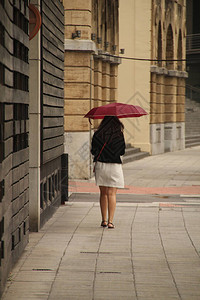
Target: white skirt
{"x":109,"y":174}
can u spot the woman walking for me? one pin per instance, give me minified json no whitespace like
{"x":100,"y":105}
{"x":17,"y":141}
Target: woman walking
{"x":107,"y":146}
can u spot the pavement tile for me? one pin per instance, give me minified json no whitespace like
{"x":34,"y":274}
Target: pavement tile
{"x":35,"y":276}
{"x":143,"y":278}
{"x":191,"y":289}
{"x":179,"y":269}
{"x":114,"y":277}
{"x":187,"y":280}
{"x":152,"y":246}
{"x":112,"y":266}
{"x":65,"y":285}
{"x":114,"y":286}
{"x":157,"y":292}
{"x":74,"y":275}
{"x":60,"y":293}
{"x":191,"y":297}
{"x":112,"y":294}
{"x":157,"y":295}
{"x":28,"y":290}
{"x":79,"y":265}
{"x":42,"y":263}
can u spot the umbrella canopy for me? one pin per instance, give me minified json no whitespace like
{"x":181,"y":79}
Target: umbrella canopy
{"x":119,"y":110}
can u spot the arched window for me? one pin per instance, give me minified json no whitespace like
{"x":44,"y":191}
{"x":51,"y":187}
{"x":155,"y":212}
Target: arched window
{"x":103,"y":26}
{"x":169,"y":48}
{"x":159,"y":49}
{"x":112,"y":29}
{"x":179,"y":52}
{"x":95,"y":23}
{"x":167,"y":3}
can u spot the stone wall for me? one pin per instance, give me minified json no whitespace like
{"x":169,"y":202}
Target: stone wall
{"x":134,"y":75}
{"x":91,"y":33}
{"x":46,"y":112}
{"x":168,"y":76}
{"x":31,"y":123}
{"x":14,"y":130}
{"x":52,"y":106}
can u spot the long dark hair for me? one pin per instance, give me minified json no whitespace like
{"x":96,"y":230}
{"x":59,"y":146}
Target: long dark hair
{"x":110,"y":126}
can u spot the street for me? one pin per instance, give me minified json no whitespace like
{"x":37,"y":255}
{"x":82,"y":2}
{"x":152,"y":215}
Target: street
{"x":153,"y":252}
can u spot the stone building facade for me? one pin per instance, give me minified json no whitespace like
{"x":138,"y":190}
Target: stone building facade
{"x":91,"y":34}
{"x":14,"y":131}
{"x":31,"y":123}
{"x":167,"y":99}
{"x":46,"y":112}
{"x":192,"y":121}
{"x":157,"y":83}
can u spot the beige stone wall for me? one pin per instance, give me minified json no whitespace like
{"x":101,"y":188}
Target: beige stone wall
{"x":180,"y":100}
{"x":167,"y":99}
{"x":90,"y":75}
{"x":78,"y":17}
{"x":168,"y":77}
{"x":134,"y":76}
{"x":78,"y":67}
{"x":172,"y":46}
{"x":157,"y":33}
{"x":77,"y":90}
{"x":90,"y":79}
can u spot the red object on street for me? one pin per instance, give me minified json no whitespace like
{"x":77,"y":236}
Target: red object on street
{"x":120,"y":110}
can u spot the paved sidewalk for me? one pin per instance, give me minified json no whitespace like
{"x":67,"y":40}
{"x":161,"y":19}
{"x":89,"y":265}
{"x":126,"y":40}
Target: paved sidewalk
{"x":152,"y":254}
{"x":170,"y":173}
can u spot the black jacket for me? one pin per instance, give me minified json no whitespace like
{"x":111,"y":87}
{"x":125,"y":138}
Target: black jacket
{"x":114,"y":148}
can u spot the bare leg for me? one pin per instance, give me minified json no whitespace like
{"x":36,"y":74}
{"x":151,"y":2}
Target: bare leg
{"x":103,"y":202}
{"x":111,"y":192}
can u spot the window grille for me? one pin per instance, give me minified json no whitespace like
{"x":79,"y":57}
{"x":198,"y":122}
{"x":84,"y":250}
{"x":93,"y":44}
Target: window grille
{"x":20,"y":81}
{"x":1,"y":132}
{"x":2,"y":3}
{"x":2,"y":74}
{"x":1,"y":190}
{"x":20,"y":135}
{"x":2,"y":34}
{"x":20,"y":20}
{"x":20,"y":51}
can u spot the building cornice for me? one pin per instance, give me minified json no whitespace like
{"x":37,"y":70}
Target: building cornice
{"x":105,"y":56}
{"x":166,"y":72}
{"x":90,"y":46}
{"x":80,"y":45}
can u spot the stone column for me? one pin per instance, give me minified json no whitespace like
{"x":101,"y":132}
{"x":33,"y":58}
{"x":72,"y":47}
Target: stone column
{"x":78,"y":98}
{"x":34,"y":129}
{"x":170,"y":113}
{"x":180,"y":114}
{"x":157,"y":107}
{"x":114,"y":83}
{"x":97,"y":86}
{"x":105,"y":83}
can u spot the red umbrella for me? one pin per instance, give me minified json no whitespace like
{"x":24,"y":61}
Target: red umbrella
{"x":119,"y":110}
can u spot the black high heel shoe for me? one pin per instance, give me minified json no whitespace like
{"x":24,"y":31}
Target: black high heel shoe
{"x":104,"y":224}
{"x":111,"y":225}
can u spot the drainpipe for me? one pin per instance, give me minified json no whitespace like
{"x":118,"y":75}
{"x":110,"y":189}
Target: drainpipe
{"x":91,"y":60}
{"x":35,"y":128}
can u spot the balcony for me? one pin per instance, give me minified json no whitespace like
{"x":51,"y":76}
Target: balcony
{"x":193,"y":43}
{"x":193,"y":92}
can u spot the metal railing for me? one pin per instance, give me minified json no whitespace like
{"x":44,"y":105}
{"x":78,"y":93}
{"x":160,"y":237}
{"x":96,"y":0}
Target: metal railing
{"x":193,"y":43}
{"x":193,"y":93}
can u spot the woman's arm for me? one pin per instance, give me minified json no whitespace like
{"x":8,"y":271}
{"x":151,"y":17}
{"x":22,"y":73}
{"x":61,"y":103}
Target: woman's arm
{"x":123,"y":146}
{"x":96,"y":145}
